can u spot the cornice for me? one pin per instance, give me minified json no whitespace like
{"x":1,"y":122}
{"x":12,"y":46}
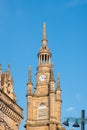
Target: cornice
{"x":8,"y":105}
{"x":10,"y":112}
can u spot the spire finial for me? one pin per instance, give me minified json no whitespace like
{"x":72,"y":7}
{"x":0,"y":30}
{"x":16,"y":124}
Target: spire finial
{"x":44,"y":40}
{"x":29,"y":75}
{"x":44,"y":31}
{"x":0,"y":68}
{"x":58,"y":81}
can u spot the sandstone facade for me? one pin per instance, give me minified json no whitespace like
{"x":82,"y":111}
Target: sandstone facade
{"x":10,"y":111}
{"x":44,"y":105}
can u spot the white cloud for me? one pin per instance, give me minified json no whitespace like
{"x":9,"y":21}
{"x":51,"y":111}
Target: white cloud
{"x":70,"y":109}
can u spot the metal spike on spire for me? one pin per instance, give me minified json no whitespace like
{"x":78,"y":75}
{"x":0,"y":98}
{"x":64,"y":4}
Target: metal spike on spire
{"x":29,"y":75}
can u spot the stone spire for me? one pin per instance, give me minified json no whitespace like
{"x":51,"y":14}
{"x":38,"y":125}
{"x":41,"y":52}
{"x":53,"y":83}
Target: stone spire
{"x":29,"y":75}
{"x":44,"y":31}
{"x":58,"y":82}
{"x":44,"y":40}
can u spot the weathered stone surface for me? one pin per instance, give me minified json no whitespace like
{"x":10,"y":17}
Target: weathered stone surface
{"x":10,"y":111}
{"x":44,"y":105}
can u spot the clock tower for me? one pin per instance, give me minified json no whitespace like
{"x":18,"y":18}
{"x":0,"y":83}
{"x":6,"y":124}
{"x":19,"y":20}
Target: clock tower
{"x":44,"y":105}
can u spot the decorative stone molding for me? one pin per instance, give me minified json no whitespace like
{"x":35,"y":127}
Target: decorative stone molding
{"x":10,"y":108}
{"x":12,"y":105}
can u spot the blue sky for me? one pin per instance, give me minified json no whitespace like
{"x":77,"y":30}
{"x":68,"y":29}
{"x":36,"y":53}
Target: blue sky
{"x":20,"y":39}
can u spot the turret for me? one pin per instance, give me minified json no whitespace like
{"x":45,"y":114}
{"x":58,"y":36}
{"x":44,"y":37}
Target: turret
{"x":44,"y":55}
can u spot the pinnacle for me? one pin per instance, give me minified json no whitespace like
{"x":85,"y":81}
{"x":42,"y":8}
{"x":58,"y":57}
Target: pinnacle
{"x":44,"y":40}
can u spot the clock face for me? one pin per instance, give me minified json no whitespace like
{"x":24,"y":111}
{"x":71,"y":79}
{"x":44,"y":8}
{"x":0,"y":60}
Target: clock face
{"x":42,"y":77}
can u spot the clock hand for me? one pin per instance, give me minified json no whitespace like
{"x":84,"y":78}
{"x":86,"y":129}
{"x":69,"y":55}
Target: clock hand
{"x":41,"y":76}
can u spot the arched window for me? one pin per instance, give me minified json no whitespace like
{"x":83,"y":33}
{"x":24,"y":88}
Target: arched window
{"x":42,"y":111}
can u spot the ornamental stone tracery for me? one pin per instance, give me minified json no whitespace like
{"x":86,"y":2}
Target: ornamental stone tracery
{"x":10,"y":111}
